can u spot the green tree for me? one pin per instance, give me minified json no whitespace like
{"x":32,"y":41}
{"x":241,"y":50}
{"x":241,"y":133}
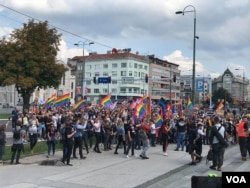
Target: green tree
{"x":28,"y":59}
{"x":220,"y":94}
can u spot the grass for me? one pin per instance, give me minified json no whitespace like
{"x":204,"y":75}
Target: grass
{"x":5,"y":116}
{"x":40,"y":148}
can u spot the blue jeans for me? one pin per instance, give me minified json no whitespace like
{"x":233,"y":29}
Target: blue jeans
{"x":41,"y":129}
{"x":180,"y":138}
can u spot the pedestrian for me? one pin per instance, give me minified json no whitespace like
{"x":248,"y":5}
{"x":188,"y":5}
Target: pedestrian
{"x":98,"y":135}
{"x":181,"y":133}
{"x":69,"y":135}
{"x":193,"y":137}
{"x":152,"y":132}
{"x":130,"y":129}
{"x":51,"y":140}
{"x":33,"y":132}
{"x":199,"y":140}
{"x":218,"y":143}
{"x":120,"y":136}
{"x":242,"y":133}
{"x":165,"y":129}
{"x":14,"y":114}
{"x":17,"y":145}
{"x":3,"y":140}
{"x":78,"y":141}
{"x":144,"y":129}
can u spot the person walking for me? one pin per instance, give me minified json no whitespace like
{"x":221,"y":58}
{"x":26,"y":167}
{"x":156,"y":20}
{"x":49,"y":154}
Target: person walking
{"x":144,"y":128}
{"x":3,"y":140}
{"x":165,"y":128}
{"x":130,"y":129}
{"x":51,"y":140}
{"x":17,"y":146}
{"x":218,"y":144}
{"x":120,"y":136}
{"x":242,"y":133}
{"x":69,"y":135}
{"x":181,"y":133}
{"x":33,"y":132}
{"x":98,"y":135}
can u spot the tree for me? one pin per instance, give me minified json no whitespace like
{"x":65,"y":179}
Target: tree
{"x":221,"y":93}
{"x":28,"y":59}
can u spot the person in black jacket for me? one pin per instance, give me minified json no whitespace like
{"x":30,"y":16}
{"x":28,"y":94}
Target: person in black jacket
{"x":69,"y":134}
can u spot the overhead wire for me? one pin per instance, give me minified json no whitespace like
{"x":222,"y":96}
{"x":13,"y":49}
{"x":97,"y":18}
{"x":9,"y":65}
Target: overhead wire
{"x":58,"y":28}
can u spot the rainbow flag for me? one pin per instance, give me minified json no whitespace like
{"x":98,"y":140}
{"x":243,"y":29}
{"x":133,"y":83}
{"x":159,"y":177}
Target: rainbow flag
{"x":79,"y":105}
{"x":143,"y":99}
{"x":162,"y":105}
{"x":50,"y":101}
{"x":139,"y":111}
{"x":189,"y":103}
{"x":158,"y":121}
{"x":133,"y":104}
{"x":105,"y":101}
{"x":220,"y":106}
{"x":62,"y":100}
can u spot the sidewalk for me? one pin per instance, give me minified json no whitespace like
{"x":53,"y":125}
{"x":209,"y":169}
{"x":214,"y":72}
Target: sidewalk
{"x":104,"y":170}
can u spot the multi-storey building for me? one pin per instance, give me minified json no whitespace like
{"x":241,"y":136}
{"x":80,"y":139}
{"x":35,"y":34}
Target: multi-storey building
{"x":235,"y":85}
{"x":132,"y":75}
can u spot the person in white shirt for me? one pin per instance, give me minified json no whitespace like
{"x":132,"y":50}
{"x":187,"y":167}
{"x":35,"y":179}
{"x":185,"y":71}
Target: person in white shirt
{"x":152,"y":132}
{"x":98,"y":136}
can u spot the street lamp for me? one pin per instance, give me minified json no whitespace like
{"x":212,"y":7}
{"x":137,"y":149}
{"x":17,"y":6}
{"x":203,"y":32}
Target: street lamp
{"x":83,"y":63}
{"x":195,"y":37}
{"x":243,"y":83}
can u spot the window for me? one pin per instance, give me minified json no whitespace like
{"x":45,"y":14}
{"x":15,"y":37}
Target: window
{"x":114,"y":65}
{"x":123,"y":65}
{"x":96,"y":91}
{"x":114,"y":73}
{"x":123,"y":73}
{"x":142,"y":74}
{"x":130,"y":73}
{"x":140,"y":66}
{"x":63,"y":80}
{"x":72,"y":85}
{"x":135,"y":65}
{"x":105,"y":74}
{"x":146,"y":67}
{"x":113,"y":81}
{"x":97,"y":67}
{"x":123,"y":90}
{"x":135,"y":74}
{"x":89,"y":90}
{"x":105,"y":66}
{"x":88,"y":67}
{"x":130,"y":65}
{"x":88,"y":75}
{"x":114,"y":90}
{"x":80,"y":75}
{"x":79,"y":67}
{"x":97,"y":74}
{"x":105,"y":90}
{"x":88,"y":82}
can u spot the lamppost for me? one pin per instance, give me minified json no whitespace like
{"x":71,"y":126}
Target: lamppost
{"x":83,"y":63}
{"x":243,"y":83}
{"x":194,"y":39}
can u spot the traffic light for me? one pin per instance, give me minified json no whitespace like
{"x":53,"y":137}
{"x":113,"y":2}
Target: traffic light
{"x":94,"y":80}
{"x":146,"y":78}
{"x":109,"y":79}
{"x":174,"y":78}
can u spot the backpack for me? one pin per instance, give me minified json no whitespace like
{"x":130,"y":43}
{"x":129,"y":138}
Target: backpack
{"x":209,"y":156}
{"x":17,"y":134}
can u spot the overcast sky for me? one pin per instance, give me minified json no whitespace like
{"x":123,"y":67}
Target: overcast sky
{"x":148,"y":27}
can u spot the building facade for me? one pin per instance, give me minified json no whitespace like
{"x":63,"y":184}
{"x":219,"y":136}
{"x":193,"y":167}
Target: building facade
{"x":235,"y":85}
{"x":127,"y":72}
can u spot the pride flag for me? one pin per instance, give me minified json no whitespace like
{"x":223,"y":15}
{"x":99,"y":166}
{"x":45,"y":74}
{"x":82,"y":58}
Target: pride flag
{"x":62,"y":100}
{"x":79,"y":105}
{"x":220,"y":106}
{"x":50,"y":101}
{"x":139,"y":111}
{"x":189,"y":103}
{"x":158,"y":121}
{"x":162,"y":105}
{"x":106,"y":101}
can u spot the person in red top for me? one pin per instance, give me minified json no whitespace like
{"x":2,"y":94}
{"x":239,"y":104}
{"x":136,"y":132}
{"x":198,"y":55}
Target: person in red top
{"x":242,"y":133}
{"x":165,"y":128}
{"x":143,"y":130}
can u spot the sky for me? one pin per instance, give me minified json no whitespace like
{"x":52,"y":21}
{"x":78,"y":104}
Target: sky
{"x":149,"y":27}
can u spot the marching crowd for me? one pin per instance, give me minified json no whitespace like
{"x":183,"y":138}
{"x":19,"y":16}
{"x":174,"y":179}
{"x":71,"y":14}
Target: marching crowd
{"x":118,"y":130}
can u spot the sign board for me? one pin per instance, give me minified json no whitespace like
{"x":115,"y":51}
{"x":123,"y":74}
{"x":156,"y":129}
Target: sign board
{"x":127,"y":80}
{"x":199,"y":85}
{"x":103,"y":80}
